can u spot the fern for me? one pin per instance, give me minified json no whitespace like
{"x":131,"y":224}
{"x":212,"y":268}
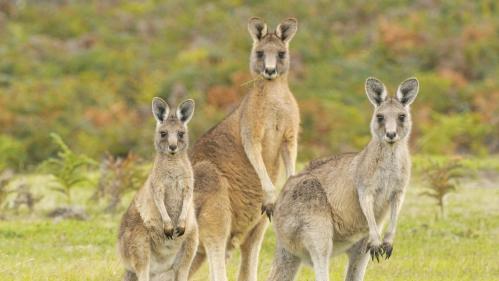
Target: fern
{"x":68,"y":169}
{"x":442,"y":179}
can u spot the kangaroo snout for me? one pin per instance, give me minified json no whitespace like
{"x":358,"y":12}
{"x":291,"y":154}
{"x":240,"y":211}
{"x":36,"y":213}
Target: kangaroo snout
{"x":172,"y":148}
{"x":391,"y":135}
{"x":270,"y":71}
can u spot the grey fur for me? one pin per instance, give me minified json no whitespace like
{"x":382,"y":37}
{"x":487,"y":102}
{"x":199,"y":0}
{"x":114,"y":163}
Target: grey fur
{"x":339,"y":204}
{"x":158,"y":234}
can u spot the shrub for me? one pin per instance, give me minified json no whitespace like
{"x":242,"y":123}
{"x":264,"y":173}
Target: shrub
{"x":118,"y":175}
{"x":442,"y":178}
{"x":12,"y":153}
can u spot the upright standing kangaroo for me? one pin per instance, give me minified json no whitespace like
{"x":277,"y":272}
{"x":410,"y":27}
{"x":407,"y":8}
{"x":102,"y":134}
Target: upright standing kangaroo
{"x":158,"y":234}
{"x":339,"y":204}
{"x":237,"y":162}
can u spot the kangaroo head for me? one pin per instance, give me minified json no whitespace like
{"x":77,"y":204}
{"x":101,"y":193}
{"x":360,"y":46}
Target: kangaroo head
{"x":270,"y":54}
{"x":391,"y":121}
{"x":171,"y":135}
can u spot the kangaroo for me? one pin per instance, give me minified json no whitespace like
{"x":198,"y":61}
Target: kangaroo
{"x":339,"y":204}
{"x":158,"y":235}
{"x":237,"y":162}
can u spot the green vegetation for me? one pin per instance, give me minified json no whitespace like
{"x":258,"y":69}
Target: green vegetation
{"x":68,"y":169}
{"x":442,"y":179}
{"x":87,"y":70}
{"x":117,"y":177}
{"x":461,"y":247}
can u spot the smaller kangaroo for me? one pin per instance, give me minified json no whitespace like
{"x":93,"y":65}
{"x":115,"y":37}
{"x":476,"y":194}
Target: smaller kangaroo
{"x":339,"y":204}
{"x":158,"y":235}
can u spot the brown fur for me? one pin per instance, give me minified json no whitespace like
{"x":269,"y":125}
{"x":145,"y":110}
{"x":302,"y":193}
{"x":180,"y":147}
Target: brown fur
{"x":237,"y":163}
{"x":158,"y":234}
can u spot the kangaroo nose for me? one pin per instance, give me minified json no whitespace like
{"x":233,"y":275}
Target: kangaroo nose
{"x":270,"y":71}
{"x":391,"y":135}
{"x":172,"y":147}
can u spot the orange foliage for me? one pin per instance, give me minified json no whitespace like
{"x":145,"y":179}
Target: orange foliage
{"x":223,"y":96}
{"x":398,"y":38}
{"x":104,"y":117}
{"x":457,"y":78}
{"x":488,"y":106}
{"x":478,"y":32}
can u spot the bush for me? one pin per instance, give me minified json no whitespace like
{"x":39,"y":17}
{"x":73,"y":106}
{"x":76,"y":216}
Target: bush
{"x":119,"y":175}
{"x":441,"y":179}
{"x":12,"y":153}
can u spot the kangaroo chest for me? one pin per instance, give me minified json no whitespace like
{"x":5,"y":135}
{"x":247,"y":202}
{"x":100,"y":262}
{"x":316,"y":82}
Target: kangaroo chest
{"x":174,"y":186}
{"x":388,"y":179}
{"x":280,"y":118}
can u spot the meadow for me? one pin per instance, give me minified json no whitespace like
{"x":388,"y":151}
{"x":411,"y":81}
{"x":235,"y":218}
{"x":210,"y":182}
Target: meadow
{"x":77,"y":78}
{"x":461,"y":246}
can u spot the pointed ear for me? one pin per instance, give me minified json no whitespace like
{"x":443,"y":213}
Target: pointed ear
{"x":257,"y":28}
{"x":407,"y":91}
{"x":185,"y":111}
{"x":287,"y":29}
{"x":375,"y":91}
{"x":160,"y":109}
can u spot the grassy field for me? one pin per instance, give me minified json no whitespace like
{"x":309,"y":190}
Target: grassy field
{"x":461,"y":247}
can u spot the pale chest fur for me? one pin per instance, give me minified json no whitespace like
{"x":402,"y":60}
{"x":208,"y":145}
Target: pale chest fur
{"x":173,"y":182}
{"x":389,"y":176}
{"x":281,"y":124}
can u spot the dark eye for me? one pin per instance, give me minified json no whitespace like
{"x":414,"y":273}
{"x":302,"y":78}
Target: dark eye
{"x":380,"y":118}
{"x":163,"y":134}
{"x":281,"y":55}
{"x":180,"y":135}
{"x":402,"y":117}
{"x":259,"y":54}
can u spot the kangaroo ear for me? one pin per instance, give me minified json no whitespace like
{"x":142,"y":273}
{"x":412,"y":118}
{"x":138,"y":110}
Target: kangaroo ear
{"x":257,"y":28}
{"x":185,"y":111}
{"x":375,"y":91}
{"x":407,"y":91}
{"x":287,"y":29}
{"x":160,"y":109}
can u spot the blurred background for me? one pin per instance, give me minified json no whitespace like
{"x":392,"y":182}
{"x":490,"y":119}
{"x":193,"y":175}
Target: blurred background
{"x":77,"y":79}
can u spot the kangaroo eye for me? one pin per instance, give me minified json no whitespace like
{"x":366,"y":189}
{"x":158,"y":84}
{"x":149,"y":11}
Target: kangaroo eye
{"x":180,"y":134}
{"x":402,"y":117}
{"x":380,"y":118}
{"x":281,"y":55}
{"x":163,"y":134}
{"x":259,"y":54}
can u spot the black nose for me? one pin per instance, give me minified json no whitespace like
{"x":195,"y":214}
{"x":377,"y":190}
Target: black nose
{"x":391,"y":135}
{"x":270,"y":71}
{"x":172,"y":147}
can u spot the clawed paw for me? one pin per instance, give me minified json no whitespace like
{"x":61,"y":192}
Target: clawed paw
{"x":378,"y":251}
{"x":169,"y":233}
{"x":387,"y":249}
{"x":268,"y":209}
{"x":179,"y":231}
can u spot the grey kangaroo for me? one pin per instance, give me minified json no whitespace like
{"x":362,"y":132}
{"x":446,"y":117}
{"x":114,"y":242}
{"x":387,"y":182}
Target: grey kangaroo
{"x":158,"y":234}
{"x":339,"y":204}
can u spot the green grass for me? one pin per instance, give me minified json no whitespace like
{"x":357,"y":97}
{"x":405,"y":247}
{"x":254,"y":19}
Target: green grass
{"x":461,"y":247}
